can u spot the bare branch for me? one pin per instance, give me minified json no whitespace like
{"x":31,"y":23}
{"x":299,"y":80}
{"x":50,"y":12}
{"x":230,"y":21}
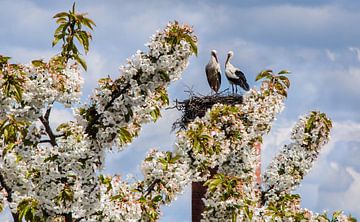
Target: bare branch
{"x":48,"y":130}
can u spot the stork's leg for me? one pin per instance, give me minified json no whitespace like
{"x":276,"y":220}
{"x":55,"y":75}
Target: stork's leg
{"x":236,"y":89}
{"x":232,"y":88}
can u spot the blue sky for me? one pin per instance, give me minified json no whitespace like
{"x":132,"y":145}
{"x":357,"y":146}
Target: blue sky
{"x":319,"y":41}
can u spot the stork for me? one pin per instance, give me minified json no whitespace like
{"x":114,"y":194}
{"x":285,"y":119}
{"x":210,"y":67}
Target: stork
{"x":234,"y":75}
{"x":213,"y":72}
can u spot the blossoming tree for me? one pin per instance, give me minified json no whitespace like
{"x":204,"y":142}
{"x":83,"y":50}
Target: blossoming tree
{"x":47,"y":174}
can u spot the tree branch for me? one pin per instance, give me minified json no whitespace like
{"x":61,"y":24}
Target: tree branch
{"x":151,"y":187}
{"x":45,"y":141}
{"x":68,"y":217}
{"x":89,"y":128}
{"x":48,"y":110}
{"x":48,"y":130}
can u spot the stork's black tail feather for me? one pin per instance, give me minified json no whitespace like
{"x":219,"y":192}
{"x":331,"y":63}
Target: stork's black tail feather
{"x":245,"y":86}
{"x":242,"y":80}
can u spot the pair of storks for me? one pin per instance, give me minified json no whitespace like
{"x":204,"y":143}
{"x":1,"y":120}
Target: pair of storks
{"x":233,"y":74}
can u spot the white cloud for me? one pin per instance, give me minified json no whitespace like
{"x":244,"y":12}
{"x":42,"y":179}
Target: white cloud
{"x":356,"y":51}
{"x":26,"y":55}
{"x":331,"y":55}
{"x":352,"y":195}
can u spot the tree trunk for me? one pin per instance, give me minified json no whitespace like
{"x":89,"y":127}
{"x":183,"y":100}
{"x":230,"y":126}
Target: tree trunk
{"x":197,"y":205}
{"x":198,"y":190}
{"x":15,"y":217}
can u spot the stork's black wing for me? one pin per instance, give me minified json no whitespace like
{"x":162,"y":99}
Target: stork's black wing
{"x":241,"y":81}
{"x":219,"y":81}
{"x":213,"y":77}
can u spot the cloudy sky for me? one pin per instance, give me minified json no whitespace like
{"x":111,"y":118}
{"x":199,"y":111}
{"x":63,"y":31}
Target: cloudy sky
{"x":319,"y":42}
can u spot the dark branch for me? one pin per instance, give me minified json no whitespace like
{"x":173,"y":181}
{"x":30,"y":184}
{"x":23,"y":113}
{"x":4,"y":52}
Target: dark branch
{"x":59,"y":135}
{"x":68,"y":217}
{"x":48,"y":130}
{"x":48,"y":110}
{"x":151,"y":187}
{"x":45,"y":141}
{"x":117,"y":92}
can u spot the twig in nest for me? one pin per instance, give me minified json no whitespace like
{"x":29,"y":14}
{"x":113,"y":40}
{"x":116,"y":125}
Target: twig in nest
{"x":196,"y":106}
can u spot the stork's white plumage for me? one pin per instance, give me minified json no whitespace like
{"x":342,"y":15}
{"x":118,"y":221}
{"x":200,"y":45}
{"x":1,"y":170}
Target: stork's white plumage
{"x":213,"y":72}
{"x":234,"y":75}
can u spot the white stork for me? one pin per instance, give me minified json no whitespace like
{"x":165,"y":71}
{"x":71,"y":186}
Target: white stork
{"x":234,"y":75}
{"x":213,"y":72}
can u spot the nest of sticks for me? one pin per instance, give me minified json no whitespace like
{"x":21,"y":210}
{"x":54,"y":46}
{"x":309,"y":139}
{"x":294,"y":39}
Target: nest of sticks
{"x":197,"y":105}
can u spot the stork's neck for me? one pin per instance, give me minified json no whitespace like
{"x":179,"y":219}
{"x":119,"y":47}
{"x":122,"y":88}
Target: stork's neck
{"x":214,"y":58}
{"x":228,"y":59}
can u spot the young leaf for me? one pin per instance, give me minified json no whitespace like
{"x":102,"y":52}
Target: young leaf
{"x":81,"y":61}
{"x":283,"y":72}
{"x":263,"y":74}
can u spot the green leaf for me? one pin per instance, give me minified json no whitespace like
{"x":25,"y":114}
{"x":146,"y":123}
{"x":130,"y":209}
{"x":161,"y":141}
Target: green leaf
{"x":81,"y":61}
{"x":4,"y":59}
{"x":61,"y":20}
{"x":124,"y":136}
{"x":150,"y":158}
{"x":264,"y":74}
{"x":57,"y":39}
{"x":164,"y":76}
{"x":157,"y":198}
{"x":83,"y":38}
{"x":61,"y":15}
{"x":27,"y":209}
{"x":142,"y":199}
{"x":88,"y":23}
{"x":285,"y":80}
{"x":155,"y":114}
{"x":192,"y":43}
{"x":118,"y":197}
{"x":278,"y":86}
{"x":8,"y":148}
{"x":283,"y":72}
{"x":73,"y":8}
{"x":61,"y":29}
{"x":38,"y":63}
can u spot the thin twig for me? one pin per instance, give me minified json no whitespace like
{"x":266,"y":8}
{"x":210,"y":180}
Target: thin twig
{"x":151,"y":187}
{"x":197,"y":105}
{"x":45,"y":141}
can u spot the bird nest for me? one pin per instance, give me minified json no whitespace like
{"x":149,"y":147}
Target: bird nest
{"x":197,"y":105}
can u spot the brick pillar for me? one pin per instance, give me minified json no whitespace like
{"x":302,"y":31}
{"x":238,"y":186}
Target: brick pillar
{"x":197,"y":205}
{"x":198,"y":190}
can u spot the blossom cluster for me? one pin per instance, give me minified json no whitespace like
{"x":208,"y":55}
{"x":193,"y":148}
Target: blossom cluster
{"x":166,"y":174}
{"x":118,"y":201}
{"x":119,"y":107}
{"x":27,"y":89}
{"x":290,"y":166}
{"x":42,"y":180}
